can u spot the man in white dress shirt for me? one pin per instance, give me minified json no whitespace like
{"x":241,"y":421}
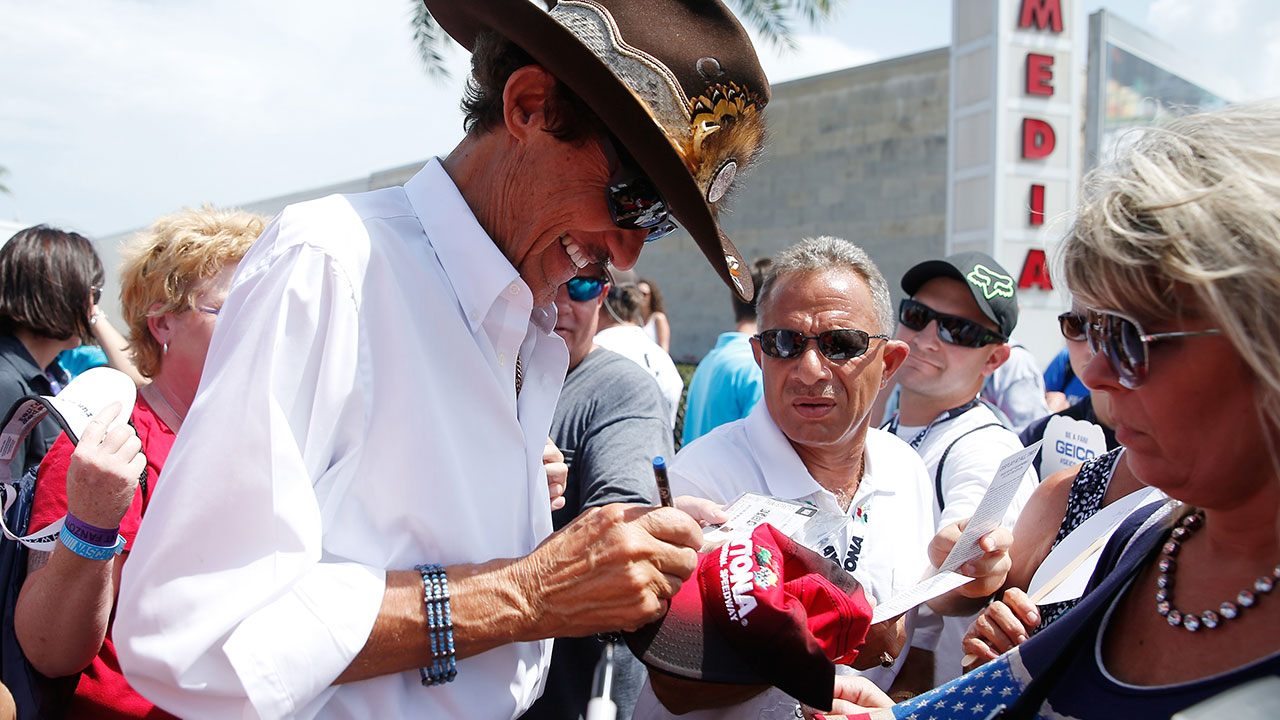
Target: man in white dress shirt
{"x":825,"y":351}
{"x":356,"y":520}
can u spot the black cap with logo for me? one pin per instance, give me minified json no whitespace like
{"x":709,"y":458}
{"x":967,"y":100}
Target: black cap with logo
{"x":992,"y":286}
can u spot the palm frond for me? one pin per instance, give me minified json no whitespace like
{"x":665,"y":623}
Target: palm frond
{"x":430,"y":40}
{"x":769,"y":18}
{"x":4,"y":188}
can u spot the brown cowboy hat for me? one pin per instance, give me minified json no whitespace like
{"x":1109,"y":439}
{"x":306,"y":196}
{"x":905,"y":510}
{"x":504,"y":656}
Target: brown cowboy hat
{"x":677,"y":81}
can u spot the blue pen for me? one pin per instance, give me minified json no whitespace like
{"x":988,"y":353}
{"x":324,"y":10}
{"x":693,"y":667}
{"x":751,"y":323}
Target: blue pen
{"x":660,"y":474}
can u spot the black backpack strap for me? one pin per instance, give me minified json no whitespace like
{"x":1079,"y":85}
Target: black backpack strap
{"x":937,"y":478}
{"x":142,"y":479}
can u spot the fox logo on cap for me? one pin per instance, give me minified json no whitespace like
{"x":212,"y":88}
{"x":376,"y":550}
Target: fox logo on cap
{"x":991,"y":282}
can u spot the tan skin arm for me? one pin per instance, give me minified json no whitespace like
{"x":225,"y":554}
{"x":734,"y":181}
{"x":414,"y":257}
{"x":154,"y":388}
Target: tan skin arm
{"x":115,"y":346}
{"x":612,"y":567}
{"x":662,"y":328}
{"x":915,"y":676}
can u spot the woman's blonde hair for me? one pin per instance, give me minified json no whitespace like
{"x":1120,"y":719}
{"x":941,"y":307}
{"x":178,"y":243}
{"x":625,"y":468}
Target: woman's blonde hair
{"x":164,"y":268}
{"x":1186,"y":224}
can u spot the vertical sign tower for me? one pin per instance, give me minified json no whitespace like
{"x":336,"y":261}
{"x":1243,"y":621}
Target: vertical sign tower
{"x":1013,"y":145}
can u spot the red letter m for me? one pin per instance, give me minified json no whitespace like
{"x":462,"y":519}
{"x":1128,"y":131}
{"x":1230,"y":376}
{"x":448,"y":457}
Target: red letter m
{"x":1041,"y":13}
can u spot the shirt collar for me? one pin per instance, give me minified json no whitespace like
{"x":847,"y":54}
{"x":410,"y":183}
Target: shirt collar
{"x":476,"y":268}
{"x":784,"y":471}
{"x":12,"y":349}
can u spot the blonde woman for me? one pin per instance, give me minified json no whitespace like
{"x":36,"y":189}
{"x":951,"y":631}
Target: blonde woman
{"x":174,"y":280}
{"x":1176,"y":257}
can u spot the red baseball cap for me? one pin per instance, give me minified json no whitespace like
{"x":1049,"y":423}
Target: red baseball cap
{"x":762,"y":610}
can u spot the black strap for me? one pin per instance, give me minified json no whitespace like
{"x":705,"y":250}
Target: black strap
{"x":937,"y":478}
{"x":142,"y":479}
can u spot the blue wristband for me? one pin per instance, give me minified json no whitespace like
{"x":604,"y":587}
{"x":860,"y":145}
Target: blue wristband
{"x":89,"y":550}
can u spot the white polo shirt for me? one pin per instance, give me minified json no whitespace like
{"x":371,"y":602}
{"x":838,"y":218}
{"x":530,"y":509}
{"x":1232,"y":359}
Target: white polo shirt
{"x":887,"y":541}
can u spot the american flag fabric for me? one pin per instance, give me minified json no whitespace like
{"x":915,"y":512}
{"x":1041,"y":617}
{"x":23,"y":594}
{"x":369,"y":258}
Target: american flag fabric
{"x":975,"y":696}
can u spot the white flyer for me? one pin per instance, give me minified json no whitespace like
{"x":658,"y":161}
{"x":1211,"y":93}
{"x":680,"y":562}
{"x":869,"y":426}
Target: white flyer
{"x":927,"y":589}
{"x":985,"y":519}
{"x":992,"y":507}
{"x":1091,"y":535}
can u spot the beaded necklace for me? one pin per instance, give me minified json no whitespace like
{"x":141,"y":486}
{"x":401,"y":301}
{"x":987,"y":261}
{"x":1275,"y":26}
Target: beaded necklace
{"x":1164,"y":584}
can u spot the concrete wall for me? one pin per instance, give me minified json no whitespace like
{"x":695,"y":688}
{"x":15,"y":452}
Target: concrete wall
{"x":860,"y":154}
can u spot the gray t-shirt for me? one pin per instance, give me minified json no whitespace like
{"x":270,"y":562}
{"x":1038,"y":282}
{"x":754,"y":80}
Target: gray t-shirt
{"x":610,"y":422}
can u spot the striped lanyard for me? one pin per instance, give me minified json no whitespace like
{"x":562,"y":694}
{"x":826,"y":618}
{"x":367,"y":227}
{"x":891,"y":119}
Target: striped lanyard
{"x":892,"y":425}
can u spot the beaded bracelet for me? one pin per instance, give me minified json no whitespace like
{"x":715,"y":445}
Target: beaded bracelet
{"x":435,"y":594}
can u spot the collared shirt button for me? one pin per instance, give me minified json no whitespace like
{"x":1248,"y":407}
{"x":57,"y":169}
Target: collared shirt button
{"x":502,"y":359}
{"x":515,"y":289}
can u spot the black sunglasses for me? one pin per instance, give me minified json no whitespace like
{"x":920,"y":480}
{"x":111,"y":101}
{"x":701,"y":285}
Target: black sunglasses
{"x":96,"y":293}
{"x":582,"y":289}
{"x":634,"y":201}
{"x":1123,"y":343}
{"x":952,"y":329}
{"x":1072,"y":326}
{"x":833,"y":344}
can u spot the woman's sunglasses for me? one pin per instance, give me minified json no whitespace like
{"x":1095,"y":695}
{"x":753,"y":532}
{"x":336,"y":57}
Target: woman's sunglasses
{"x":634,"y":201}
{"x":1072,"y":326}
{"x":952,"y":329}
{"x":1123,"y":343}
{"x":582,"y":289}
{"x":95,"y":293}
{"x":833,"y":344}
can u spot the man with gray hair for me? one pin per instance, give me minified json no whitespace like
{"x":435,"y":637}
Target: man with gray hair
{"x":811,"y":441}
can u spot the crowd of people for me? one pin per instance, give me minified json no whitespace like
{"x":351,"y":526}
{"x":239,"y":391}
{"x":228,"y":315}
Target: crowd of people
{"x":423,"y":451}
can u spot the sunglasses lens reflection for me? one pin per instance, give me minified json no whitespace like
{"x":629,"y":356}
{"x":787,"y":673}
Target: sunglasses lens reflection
{"x":1119,"y":341}
{"x":834,"y":344}
{"x":582,"y":289}
{"x":951,"y":329}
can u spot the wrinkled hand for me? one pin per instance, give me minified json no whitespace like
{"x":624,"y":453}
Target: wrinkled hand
{"x":706,"y":512}
{"x":557,"y":473}
{"x":1002,"y":626}
{"x":854,"y":694}
{"x":104,"y":469}
{"x":612,"y":567}
{"x":991,"y":568}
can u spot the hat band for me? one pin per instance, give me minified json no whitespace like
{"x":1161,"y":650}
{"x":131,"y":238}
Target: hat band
{"x":643,"y":74}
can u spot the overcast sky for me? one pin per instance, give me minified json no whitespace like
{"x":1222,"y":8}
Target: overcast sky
{"x":113,"y":112}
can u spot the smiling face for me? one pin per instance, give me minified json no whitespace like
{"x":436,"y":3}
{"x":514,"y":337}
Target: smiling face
{"x":938,"y":369}
{"x":823,"y":405}
{"x":552,"y":216}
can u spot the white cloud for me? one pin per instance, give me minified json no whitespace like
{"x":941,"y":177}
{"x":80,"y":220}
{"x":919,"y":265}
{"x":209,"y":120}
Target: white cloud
{"x":814,"y":55}
{"x":1231,"y":39}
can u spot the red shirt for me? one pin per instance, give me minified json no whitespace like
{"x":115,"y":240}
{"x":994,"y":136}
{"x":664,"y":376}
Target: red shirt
{"x":102,"y":691}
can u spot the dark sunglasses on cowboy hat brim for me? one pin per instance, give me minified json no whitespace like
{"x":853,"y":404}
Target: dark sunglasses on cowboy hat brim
{"x":676,"y":81}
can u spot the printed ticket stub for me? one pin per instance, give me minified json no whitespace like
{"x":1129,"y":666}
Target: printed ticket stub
{"x":802,"y":522}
